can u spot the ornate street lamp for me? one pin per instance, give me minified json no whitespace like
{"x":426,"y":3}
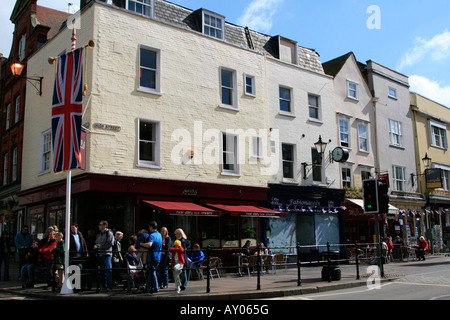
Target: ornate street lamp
{"x":17,"y":68}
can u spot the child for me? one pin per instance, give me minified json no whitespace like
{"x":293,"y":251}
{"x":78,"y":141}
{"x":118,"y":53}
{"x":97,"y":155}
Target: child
{"x":177,"y":262}
{"x":27,"y":271}
{"x":58,"y":254}
{"x":142,"y":237}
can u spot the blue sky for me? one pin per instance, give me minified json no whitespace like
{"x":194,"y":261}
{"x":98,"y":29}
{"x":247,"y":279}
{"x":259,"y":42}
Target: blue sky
{"x":412,"y":37}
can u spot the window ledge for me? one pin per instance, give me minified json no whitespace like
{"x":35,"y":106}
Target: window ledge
{"x":287,"y":114}
{"x":289,"y":181}
{"x":230,"y":174}
{"x":149,"y":166}
{"x":315,"y":120}
{"x":150,"y":91}
{"x":397,"y":146}
{"x":227,"y":107}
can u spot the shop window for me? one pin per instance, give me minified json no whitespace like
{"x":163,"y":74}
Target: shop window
{"x":248,"y":231}
{"x":230,"y":232}
{"x":210,"y":236}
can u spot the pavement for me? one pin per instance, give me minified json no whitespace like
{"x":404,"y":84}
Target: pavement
{"x":279,"y":283}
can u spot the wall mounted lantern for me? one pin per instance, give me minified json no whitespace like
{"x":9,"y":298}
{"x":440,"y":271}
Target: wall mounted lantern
{"x":17,"y":68}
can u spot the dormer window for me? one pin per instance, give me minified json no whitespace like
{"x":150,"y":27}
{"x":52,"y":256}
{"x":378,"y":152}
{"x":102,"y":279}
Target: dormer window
{"x":143,"y":7}
{"x":213,"y":25}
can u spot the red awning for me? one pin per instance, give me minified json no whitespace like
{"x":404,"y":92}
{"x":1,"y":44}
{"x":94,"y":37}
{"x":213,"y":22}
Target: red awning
{"x":249,"y":211}
{"x":184,"y":209}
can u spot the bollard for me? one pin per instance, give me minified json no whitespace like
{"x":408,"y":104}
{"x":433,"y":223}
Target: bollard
{"x":329,"y":262}
{"x":208,"y":257}
{"x":98,"y":269}
{"x":258,"y":269}
{"x":357,"y":261}
{"x":150,"y":271}
{"x":299,"y":279}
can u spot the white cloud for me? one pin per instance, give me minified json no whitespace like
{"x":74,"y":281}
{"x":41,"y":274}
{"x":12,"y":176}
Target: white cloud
{"x":258,"y":15}
{"x":430,"y":89}
{"x":437,"y":48}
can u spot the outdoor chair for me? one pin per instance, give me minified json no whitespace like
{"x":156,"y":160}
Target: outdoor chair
{"x":280,"y":259}
{"x":198,"y":271}
{"x":268,"y":263}
{"x":250,"y":264}
{"x":213,"y":266}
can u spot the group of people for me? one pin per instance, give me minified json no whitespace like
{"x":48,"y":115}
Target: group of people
{"x":154,"y":250}
{"x":49,"y":253}
{"x":420,"y":248}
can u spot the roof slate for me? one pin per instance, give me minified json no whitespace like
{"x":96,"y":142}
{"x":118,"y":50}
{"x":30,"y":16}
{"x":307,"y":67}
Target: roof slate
{"x":174,"y":14}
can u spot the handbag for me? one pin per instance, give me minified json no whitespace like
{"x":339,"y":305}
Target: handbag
{"x":178,"y":266}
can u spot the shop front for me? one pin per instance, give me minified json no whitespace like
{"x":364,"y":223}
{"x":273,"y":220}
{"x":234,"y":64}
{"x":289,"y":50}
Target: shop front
{"x":314,"y":217}
{"x":216,"y":215}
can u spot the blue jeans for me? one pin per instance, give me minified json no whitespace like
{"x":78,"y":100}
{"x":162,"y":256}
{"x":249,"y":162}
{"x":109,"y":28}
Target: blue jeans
{"x":163,"y":272}
{"x":106,"y":272}
{"x":27,"y":273}
{"x":5,"y":261}
{"x":48,"y":263}
{"x":152,"y":275}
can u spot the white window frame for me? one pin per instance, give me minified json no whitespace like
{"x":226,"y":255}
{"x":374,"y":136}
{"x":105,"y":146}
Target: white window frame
{"x":399,"y":180}
{"x":349,"y":179}
{"x":445,"y":180}
{"x":210,"y":28}
{"x":362,"y":138}
{"x":317,"y":107}
{"x":232,"y":89}
{"x":395,"y":133}
{"x":155,"y":163}
{"x":17,"y":110}
{"x":150,"y":5}
{"x":342,"y":143}
{"x":46,"y":152}
{"x":157,"y":71}
{"x":392,"y":93}
{"x":291,"y":162}
{"x":352,"y":93}
{"x":368,"y":172}
{"x":14,"y":165}
{"x":5,"y":169}
{"x":257,"y":147}
{"x":289,"y":101}
{"x":250,"y":86}
{"x":442,"y":143}
{"x":230,"y":152}
{"x":22,"y":47}
{"x":273,"y":147}
{"x":8,"y":117}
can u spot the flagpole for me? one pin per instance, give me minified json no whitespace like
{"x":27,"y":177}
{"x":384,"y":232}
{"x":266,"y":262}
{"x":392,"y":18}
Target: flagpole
{"x":66,"y":289}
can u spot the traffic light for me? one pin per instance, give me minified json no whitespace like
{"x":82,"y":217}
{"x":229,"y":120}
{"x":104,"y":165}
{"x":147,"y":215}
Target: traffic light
{"x":383,"y":196}
{"x":370,"y":196}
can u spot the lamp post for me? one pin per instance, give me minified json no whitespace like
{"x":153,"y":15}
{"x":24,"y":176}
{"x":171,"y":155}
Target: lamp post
{"x":17,"y":68}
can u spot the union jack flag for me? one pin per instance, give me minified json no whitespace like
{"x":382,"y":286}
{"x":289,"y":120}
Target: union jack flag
{"x":67,"y":111}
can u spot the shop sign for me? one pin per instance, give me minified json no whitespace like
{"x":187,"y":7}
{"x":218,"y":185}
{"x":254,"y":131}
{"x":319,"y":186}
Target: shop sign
{"x":434,"y":178}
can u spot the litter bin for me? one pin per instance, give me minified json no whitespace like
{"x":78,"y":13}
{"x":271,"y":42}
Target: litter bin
{"x":331,"y":269}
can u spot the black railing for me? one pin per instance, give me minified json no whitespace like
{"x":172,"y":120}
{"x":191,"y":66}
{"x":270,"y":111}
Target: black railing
{"x":330,"y":255}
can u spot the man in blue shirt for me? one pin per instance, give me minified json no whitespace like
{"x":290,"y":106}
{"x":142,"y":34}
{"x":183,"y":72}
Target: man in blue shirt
{"x":154,"y":255}
{"x":23,"y":242}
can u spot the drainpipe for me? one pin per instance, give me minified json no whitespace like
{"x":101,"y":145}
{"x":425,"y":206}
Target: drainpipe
{"x":377,"y":157}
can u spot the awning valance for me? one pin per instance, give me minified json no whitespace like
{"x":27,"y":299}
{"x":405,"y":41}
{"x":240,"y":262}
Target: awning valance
{"x":184,"y":209}
{"x":360,"y":202}
{"x":249,"y":211}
